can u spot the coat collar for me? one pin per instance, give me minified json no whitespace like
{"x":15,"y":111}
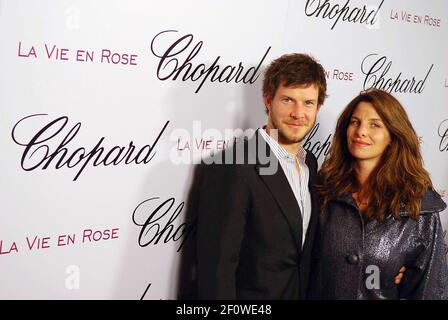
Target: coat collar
{"x":431,"y":203}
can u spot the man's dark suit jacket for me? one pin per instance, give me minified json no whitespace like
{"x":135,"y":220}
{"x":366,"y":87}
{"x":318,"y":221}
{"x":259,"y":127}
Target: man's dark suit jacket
{"x":249,"y":237}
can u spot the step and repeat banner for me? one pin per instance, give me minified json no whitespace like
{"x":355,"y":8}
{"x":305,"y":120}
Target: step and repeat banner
{"x":107,"y":108}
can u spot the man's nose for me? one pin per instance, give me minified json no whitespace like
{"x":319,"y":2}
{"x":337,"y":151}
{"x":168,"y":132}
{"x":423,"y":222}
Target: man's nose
{"x":298,"y":111}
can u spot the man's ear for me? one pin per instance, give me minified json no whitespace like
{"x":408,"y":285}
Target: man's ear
{"x":267,"y":102}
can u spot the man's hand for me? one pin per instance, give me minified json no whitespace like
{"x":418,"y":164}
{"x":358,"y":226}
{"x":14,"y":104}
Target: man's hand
{"x":399,"y":276}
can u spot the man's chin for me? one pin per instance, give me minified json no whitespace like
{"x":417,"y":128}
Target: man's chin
{"x":292,"y":139}
{"x":295,"y":138}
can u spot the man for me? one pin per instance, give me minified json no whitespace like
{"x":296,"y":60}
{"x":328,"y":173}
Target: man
{"x":255,"y":227}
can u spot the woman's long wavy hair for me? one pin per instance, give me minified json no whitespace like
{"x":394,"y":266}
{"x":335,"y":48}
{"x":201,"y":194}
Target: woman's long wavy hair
{"x":398,"y":182}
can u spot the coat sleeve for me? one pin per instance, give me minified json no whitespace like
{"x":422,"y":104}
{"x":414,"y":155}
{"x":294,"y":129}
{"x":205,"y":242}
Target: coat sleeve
{"x":222,"y":215}
{"x":427,"y":278}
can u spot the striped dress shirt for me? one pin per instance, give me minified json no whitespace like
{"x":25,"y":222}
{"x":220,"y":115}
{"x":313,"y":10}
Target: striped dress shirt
{"x":297,"y":173}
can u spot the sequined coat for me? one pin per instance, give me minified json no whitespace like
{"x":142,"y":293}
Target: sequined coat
{"x":358,"y":260}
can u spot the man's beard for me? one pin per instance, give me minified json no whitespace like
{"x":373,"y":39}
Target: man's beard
{"x":285,"y":134}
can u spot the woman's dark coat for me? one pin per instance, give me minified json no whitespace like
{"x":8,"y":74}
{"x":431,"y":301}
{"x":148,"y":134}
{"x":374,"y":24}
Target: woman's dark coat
{"x":355,"y":260}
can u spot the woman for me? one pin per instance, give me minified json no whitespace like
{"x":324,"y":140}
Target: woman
{"x":380,"y":210}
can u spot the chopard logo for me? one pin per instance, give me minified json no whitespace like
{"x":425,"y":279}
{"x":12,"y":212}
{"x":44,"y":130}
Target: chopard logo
{"x":53,"y":146}
{"x":157,"y":219}
{"x":377,"y":70}
{"x":335,"y":12}
{"x":443,"y":134}
{"x":318,"y":148}
{"x":176,"y":62}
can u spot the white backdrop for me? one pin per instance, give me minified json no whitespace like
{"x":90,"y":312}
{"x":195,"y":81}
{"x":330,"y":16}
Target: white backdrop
{"x":106,"y":107}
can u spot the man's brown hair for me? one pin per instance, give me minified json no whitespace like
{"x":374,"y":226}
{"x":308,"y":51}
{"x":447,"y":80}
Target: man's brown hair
{"x":294,"y":69}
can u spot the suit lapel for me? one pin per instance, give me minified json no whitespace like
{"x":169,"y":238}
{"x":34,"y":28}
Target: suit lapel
{"x":281,"y":191}
{"x":314,"y":201}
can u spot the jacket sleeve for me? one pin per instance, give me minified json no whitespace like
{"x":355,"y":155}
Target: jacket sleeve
{"x":427,"y":278}
{"x":222,"y":215}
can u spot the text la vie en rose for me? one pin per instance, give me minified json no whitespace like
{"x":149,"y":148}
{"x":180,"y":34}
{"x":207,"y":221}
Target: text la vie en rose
{"x":33,"y":243}
{"x":55,"y":53}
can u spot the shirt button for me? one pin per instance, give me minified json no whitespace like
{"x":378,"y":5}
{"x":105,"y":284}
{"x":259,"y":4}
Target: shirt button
{"x":353,"y":259}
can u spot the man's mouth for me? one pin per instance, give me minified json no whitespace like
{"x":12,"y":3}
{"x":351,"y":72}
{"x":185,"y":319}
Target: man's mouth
{"x":295,"y":125}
